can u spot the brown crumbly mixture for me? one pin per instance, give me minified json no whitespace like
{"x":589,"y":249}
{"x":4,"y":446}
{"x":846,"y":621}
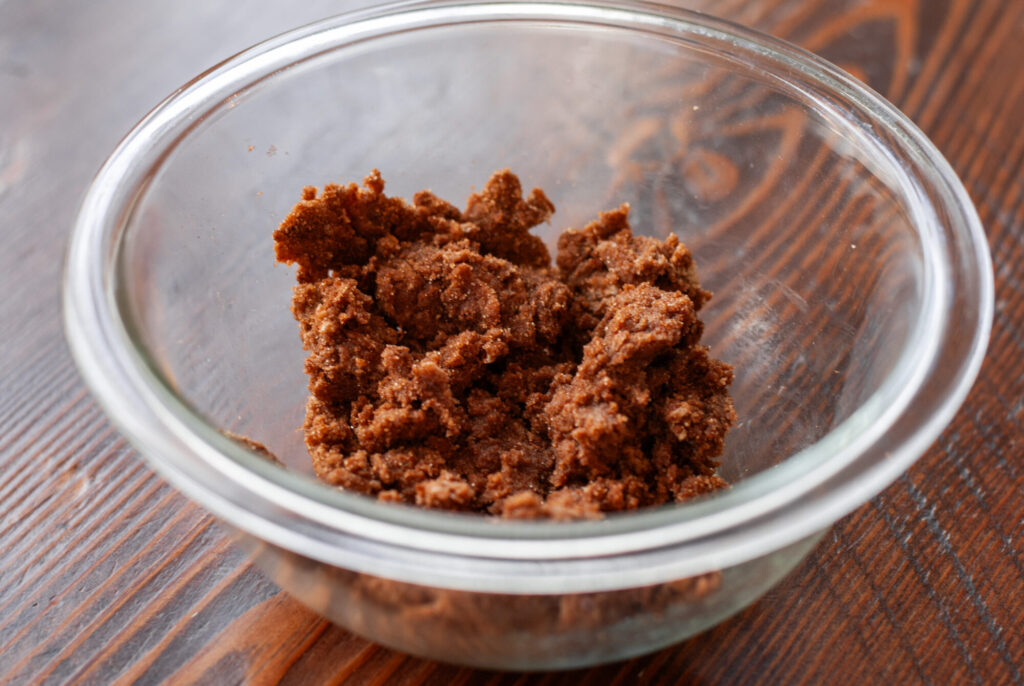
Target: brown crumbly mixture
{"x":451,"y":366}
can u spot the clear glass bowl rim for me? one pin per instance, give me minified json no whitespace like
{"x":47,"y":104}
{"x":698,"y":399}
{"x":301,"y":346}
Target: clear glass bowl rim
{"x":763,"y":513}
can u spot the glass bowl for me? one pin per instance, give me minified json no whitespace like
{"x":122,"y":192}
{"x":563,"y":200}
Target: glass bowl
{"x":852,"y":279}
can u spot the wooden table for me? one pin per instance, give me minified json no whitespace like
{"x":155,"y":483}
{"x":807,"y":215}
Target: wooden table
{"x":107,"y":574}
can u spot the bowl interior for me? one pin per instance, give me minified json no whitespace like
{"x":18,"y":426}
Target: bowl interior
{"x":799,"y":228}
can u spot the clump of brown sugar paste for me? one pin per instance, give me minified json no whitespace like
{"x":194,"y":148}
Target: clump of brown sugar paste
{"x":451,"y":366}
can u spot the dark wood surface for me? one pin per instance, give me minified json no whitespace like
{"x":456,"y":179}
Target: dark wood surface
{"x":107,"y":574}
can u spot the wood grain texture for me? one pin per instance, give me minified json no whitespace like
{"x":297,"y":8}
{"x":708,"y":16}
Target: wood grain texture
{"x":107,"y":575}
